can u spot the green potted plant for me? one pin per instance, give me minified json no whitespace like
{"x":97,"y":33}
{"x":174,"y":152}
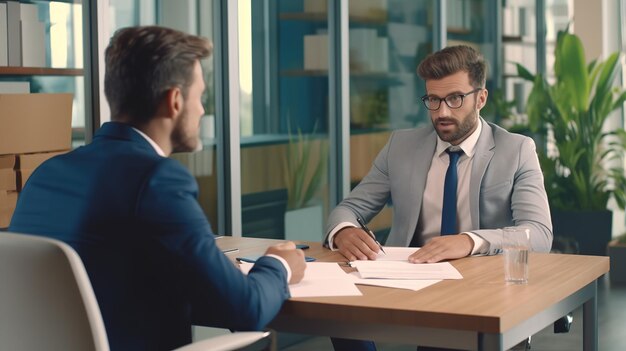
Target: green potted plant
{"x":584,"y":170}
{"x":305,"y":171}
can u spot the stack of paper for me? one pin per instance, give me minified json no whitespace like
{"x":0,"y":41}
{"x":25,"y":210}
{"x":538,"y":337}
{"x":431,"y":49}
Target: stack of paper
{"x":414,"y":285}
{"x":392,"y":269}
{"x":396,"y":253}
{"x":320,"y":279}
{"x":405,"y":270}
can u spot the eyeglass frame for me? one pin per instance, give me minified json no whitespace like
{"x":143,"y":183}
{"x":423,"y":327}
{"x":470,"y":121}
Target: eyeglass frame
{"x":462,"y":96}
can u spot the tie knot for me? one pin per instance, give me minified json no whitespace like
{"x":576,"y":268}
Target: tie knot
{"x":454,"y":154}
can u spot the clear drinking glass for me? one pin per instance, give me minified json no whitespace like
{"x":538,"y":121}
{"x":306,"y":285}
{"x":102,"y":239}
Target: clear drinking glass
{"x":516,"y":244}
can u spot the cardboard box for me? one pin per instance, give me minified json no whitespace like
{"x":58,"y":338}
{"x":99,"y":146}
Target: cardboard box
{"x":27,"y":163}
{"x":8,"y":200}
{"x":8,"y":176}
{"x":8,"y":161}
{"x":8,"y":179}
{"x":35,"y":123}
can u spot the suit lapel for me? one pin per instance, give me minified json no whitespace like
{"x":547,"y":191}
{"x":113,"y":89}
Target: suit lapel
{"x":421,"y":165}
{"x":484,"y":153}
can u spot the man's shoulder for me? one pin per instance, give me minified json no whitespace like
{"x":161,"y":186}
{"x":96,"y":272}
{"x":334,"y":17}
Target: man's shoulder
{"x":117,"y":151}
{"x":169,"y":166}
{"x":508,"y":145}
{"x":116,"y":158}
{"x":502,"y":135}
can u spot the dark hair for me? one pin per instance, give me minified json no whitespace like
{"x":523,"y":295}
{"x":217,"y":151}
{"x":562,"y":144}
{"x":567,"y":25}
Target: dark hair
{"x":143,"y":63}
{"x":453,"y":59}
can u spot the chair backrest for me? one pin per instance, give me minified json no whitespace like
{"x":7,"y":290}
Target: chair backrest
{"x":46,"y":299}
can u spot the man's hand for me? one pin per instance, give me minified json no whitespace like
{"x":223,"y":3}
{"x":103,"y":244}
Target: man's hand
{"x":294,"y":258}
{"x":355,"y":244}
{"x":443,"y":248}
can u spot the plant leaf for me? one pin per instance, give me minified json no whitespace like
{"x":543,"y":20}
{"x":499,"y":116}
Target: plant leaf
{"x":522,"y":72}
{"x":571,"y":71}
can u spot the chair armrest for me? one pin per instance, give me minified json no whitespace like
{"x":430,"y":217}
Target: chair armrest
{"x":229,"y":342}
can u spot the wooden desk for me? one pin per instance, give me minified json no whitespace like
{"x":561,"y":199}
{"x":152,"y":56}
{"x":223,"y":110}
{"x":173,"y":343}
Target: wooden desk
{"x":479,"y":312}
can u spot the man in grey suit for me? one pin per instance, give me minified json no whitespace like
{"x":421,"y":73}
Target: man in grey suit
{"x":498,"y":179}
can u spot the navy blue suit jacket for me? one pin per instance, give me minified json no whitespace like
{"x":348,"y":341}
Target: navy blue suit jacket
{"x":148,"y":248}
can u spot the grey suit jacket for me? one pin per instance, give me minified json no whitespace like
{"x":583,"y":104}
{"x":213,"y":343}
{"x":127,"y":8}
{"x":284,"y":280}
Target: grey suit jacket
{"x":506,"y":187}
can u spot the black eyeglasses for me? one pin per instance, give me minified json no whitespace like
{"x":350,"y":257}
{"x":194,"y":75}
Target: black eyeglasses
{"x":453,"y":100}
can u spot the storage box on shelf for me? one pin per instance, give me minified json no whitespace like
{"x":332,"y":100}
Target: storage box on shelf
{"x":8,"y":176}
{"x":8,"y":200}
{"x":35,"y":123}
{"x":39,"y":38}
{"x":35,"y":127}
{"x":24,"y":35}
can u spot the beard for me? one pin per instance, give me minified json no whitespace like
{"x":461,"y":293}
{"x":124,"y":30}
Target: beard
{"x":463,"y":128}
{"x":182,"y":139}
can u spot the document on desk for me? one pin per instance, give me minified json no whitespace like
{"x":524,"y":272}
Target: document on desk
{"x":394,"y":253}
{"x":320,"y":279}
{"x":405,"y":270}
{"x":408,"y":284}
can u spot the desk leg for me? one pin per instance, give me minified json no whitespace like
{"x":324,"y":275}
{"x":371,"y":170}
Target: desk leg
{"x":590,"y":321}
{"x":490,"y":342}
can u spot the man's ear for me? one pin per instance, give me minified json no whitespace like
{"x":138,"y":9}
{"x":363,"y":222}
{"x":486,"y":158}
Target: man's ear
{"x":173,"y":102}
{"x":482,"y":98}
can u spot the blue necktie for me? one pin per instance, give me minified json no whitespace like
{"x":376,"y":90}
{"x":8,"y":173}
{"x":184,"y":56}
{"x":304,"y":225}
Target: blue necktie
{"x":448,"y":212}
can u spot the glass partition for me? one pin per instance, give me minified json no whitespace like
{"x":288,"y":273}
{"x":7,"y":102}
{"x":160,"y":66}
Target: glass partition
{"x":284,"y":118}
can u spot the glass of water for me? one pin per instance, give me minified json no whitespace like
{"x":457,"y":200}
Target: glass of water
{"x":516,"y":244}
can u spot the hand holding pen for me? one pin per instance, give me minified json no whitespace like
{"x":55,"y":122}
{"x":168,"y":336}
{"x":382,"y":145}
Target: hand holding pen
{"x":370,"y":233}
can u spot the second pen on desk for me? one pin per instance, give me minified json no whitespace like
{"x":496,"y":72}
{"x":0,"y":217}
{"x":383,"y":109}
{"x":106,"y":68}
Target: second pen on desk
{"x":370,"y":233}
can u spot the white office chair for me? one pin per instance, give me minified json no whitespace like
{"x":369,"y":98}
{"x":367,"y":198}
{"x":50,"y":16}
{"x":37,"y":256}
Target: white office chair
{"x":47,"y":302}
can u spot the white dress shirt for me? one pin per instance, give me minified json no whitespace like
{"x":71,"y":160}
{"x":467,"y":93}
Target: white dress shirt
{"x":155,"y":146}
{"x":432,"y":203}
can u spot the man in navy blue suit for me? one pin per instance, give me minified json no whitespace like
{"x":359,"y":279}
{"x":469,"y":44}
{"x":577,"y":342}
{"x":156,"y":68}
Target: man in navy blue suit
{"x":131,"y":213}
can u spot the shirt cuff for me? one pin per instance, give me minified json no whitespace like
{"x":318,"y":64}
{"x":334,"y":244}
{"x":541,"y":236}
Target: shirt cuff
{"x":480,"y":244}
{"x":336,"y":230}
{"x":282,"y":260}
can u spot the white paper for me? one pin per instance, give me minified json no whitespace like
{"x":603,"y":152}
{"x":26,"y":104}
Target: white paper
{"x":405,"y":270}
{"x":408,"y":284}
{"x":320,"y":279}
{"x":396,"y":253}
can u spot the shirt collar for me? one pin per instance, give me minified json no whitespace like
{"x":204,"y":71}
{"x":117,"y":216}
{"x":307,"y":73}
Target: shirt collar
{"x":155,"y":146}
{"x":468,"y":145}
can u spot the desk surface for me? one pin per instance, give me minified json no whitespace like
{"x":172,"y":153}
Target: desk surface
{"x":480,"y":302}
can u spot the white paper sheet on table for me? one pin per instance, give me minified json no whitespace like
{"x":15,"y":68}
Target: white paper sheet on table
{"x":320,"y":279}
{"x":405,"y":270}
{"x":393,"y":253}
{"x":408,"y":284}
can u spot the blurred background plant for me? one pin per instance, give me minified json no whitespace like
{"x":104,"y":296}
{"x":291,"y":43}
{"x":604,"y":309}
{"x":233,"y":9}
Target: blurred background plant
{"x":504,"y":113}
{"x":305,"y":165}
{"x":585,"y":168}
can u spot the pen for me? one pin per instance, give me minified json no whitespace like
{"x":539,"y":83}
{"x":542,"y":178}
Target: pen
{"x":230,"y":250}
{"x":369,"y":232}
